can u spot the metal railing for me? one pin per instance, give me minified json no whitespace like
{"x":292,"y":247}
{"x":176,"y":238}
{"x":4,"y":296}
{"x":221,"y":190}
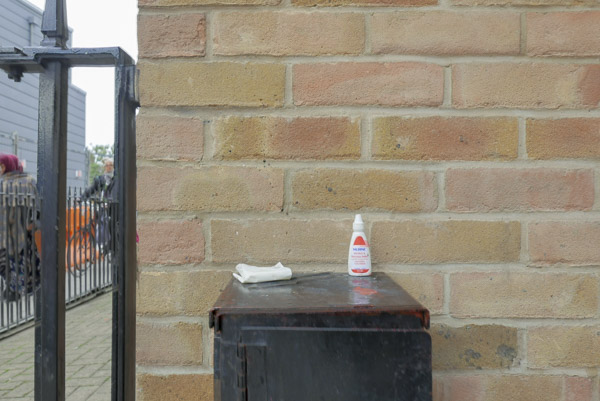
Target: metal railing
{"x":89,"y":251}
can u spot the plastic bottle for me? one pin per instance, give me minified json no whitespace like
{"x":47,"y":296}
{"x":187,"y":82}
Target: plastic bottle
{"x":359,"y":256}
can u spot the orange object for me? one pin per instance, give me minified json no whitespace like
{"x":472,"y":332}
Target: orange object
{"x":79,"y":247}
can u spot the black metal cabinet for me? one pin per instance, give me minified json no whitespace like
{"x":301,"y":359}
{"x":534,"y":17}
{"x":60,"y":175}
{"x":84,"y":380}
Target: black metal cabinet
{"x":321,"y":337}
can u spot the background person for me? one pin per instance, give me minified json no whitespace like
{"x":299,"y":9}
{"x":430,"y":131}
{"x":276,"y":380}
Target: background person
{"x":19,"y":218}
{"x":102,"y":186}
{"x":102,"y":190}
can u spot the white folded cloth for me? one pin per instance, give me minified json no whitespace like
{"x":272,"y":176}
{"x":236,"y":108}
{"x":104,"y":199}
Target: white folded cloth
{"x":254,"y":274}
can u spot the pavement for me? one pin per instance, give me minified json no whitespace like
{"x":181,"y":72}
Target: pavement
{"x":88,"y":355}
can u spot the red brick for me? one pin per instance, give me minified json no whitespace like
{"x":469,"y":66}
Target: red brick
{"x":436,"y":33}
{"x":516,"y":387}
{"x":523,"y":295}
{"x":519,"y":189}
{"x":525,"y":85}
{"x":568,"y":242}
{"x":458,"y":388}
{"x":578,"y":389}
{"x":563,"y":34}
{"x":221,"y":188}
{"x":281,"y":138}
{"x":171,"y":242}
{"x":182,"y":35}
{"x":566,"y":138}
{"x":288,"y":33}
{"x":386,"y":84}
{"x":169,"y":138}
{"x":445,"y":138}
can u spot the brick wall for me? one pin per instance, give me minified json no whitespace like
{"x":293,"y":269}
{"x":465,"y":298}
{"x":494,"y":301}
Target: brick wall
{"x":467,"y":133}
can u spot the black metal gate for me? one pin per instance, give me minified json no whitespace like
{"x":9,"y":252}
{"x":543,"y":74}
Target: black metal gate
{"x":52,"y":61}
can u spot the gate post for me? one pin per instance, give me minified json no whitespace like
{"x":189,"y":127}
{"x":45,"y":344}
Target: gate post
{"x":123,"y":363}
{"x":52,"y":165}
{"x":52,"y":179}
{"x":52,"y":61}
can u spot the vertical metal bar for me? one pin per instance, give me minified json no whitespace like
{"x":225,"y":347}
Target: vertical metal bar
{"x":123,"y":380}
{"x":99,"y":258}
{"x":52,"y":163}
{"x":69,"y":241}
{"x":4,"y":284}
{"x":93,"y":266}
{"x":32,"y":256}
{"x":19,"y":267}
{"x":76,"y":269}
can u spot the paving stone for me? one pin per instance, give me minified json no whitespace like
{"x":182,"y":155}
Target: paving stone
{"x":22,"y":390}
{"x":88,"y":356}
{"x":83,"y":393}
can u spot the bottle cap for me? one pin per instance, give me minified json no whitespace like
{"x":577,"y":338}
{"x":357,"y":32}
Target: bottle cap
{"x":358,"y":224}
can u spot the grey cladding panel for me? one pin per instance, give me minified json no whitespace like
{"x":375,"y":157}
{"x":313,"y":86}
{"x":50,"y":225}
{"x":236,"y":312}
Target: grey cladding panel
{"x":19,"y":101}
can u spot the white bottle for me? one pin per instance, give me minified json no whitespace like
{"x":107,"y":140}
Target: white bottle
{"x":359,"y":256}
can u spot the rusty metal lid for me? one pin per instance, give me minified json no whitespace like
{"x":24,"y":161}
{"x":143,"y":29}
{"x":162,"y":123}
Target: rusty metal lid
{"x":322,"y":292}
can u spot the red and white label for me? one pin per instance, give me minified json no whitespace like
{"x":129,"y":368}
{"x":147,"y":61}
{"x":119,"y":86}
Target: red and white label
{"x":359,"y":256}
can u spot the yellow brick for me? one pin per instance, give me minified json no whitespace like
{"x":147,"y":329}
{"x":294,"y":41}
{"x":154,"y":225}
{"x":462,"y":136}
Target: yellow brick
{"x":541,"y":3}
{"x":286,"y":241}
{"x":426,"y":288}
{"x":182,"y":35}
{"x":187,"y":83}
{"x":525,"y":85}
{"x":219,"y":188}
{"x":523,"y":295}
{"x":288,"y":33}
{"x":474,"y":347}
{"x":445,"y":241}
{"x":184,"y":387}
{"x":180,"y":292}
{"x":436,"y":33}
{"x":168,"y":344}
{"x":445,"y":138}
{"x":371,"y":189}
{"x":564,"y":346}
{"x":192,"y":3}
{"x":566,"y":138}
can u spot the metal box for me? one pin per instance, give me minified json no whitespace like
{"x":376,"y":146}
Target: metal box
{"x":329,"y":337}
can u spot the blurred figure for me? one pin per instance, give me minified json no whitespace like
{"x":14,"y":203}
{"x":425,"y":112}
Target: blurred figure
{"x":102,"y":190}
{"x":19,"y":219}
{"x":102,"y":186}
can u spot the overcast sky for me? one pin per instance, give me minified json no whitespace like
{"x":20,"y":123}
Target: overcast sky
{"x":104,"y":23}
